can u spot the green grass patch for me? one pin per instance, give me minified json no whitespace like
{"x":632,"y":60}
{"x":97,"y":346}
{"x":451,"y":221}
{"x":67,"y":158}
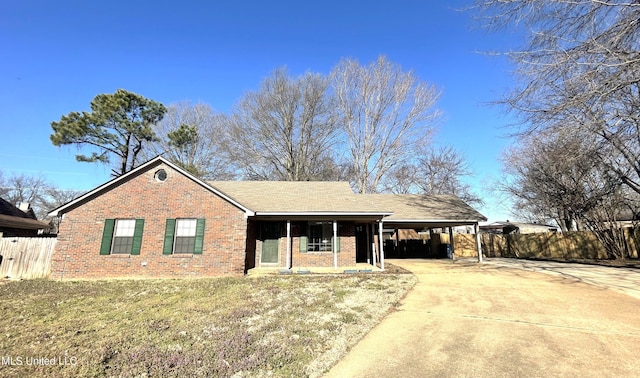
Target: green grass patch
{"x":269,"y":326}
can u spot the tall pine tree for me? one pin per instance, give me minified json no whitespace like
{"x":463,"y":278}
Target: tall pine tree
{"x":117,"y":126}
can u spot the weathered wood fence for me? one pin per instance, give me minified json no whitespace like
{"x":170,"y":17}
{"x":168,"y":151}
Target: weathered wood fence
{"x":555,"y":246}
{"x":26,"y":257}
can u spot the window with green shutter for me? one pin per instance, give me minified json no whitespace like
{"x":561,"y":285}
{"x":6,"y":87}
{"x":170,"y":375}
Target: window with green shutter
{"x":122,"y":236}
{"x":184,"y":236}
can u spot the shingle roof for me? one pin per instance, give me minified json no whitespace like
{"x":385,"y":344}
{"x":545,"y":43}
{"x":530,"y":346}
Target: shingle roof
{"x":419,"y":207}
{"x":298,"y":197}
{"x":12,"y":217}
{"x":7,"y":208}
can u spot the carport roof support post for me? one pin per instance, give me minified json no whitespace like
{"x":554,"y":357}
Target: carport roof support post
{"x":478,"y":244}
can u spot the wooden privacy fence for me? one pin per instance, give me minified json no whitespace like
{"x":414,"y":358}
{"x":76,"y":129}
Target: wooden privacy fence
{"x":557,"y":246}
{"x":26,"y":257}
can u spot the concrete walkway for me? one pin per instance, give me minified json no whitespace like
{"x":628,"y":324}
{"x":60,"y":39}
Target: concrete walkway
{"x":622,"y":280}
{"x":466,"y":319}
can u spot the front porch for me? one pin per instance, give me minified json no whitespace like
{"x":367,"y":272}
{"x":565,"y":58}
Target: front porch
{"x":357,"y":268}
{"x":314,"y":244}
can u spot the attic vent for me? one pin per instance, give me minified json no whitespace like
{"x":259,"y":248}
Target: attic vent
{"x":160,"y":175}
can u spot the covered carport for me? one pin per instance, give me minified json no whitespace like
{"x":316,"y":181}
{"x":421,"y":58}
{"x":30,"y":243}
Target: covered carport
{"x":426,"y":212}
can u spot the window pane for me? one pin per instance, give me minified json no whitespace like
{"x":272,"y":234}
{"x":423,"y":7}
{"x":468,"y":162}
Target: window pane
{"x":184,"y":244}
{"x":320,"y":237}
{"x":125,"y":227}
{"x":186,"y":227}
{"x":122,"y":244}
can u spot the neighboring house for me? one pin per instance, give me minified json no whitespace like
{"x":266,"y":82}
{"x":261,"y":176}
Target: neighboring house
{"x":160,"y":221}
{"x":517,"y":228}
{"x":18,"y":222}
{"x":626,"y":218}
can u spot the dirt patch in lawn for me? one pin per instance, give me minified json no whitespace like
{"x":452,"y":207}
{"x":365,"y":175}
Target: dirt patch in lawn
{"x":266,"y":326}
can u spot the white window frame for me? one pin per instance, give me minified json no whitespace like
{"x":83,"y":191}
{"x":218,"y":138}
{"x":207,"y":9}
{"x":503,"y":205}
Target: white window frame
{"x":123,"y":228}
{"x":185,"y":228}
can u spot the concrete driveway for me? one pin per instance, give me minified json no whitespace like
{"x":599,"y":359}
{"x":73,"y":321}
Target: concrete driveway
{"x":621,"y":279}
{"x":466,"y":319}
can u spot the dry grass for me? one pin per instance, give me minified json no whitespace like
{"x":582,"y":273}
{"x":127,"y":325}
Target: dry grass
{"x":264,"y":327}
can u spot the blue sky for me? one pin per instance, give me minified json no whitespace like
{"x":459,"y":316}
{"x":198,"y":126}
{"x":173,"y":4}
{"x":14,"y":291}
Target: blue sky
{"x":57,"y":56}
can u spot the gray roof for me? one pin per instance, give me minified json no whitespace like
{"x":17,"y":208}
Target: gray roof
{"x":299,"y":197}
{"x":321,"y":198}
{"x":337,"y":197}
{"x":7,"y":208}
{"x":12,"y":217}
{"x":426,"y":208}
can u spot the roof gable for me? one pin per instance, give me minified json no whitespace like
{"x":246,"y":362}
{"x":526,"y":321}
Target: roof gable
{"x":134,"y":172}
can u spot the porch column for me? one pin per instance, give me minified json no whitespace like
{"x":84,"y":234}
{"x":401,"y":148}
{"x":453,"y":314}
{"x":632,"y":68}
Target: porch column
{"x":368,"y":244}
{"x":335,"y":245}
{"x":373,"y":244}
{"x":453,"y":250}
{"x":478,"y":244}
{"x":381,"y":246}
{"x":288,"y":244}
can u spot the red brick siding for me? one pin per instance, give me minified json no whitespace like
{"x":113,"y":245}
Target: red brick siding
{"x":346,"y":256}
{"x":141,"y":196}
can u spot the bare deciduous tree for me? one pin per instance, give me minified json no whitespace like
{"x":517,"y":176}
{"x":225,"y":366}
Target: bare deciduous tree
{"x":580,"y":67}
{"x":25,"y":189}
{"x":557,"y":175}
{"x":285,"y":130}
{"x":192,"y":136}
{"x":41,"y":195}
{"x":385,"y":112}
{"x":433,"y":171}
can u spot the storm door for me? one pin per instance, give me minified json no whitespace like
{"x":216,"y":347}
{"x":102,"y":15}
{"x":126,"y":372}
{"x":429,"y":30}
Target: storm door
{"x":270,"y":243}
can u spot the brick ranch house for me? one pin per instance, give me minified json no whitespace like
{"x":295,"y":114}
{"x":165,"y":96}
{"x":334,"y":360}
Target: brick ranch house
{"x":158,"y":220}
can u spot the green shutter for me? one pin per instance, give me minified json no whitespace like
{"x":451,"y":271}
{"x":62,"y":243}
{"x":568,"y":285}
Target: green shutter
{"x":304,"y":240}
{"x":337,"y":243}
{"x":199,"y":237}
{"x":107,"y":236}
{"x":169,"y":231}
{"x":137,"y":237}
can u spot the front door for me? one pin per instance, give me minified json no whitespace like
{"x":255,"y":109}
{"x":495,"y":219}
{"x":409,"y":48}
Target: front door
{"x":362,"y":243}
{"x":270,"y":243}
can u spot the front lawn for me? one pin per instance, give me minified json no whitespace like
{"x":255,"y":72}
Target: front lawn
{"x":264,"y":326}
